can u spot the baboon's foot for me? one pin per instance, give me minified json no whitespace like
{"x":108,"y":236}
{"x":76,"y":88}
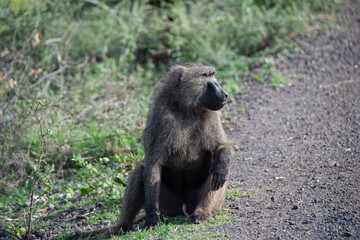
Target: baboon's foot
{"x":199,"y":218}
{"x":151,"y":221}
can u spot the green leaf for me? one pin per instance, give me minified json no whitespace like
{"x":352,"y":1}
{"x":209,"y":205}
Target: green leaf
{"x":29,"y":185}
{"x":42,"y":104}
{"x":23,"y":230}
{"x":33,"y":165}
{"x":79,"y":160}
{"x":86,"y":191}
{"x":104,"y":160}
{"x":120,"y":181}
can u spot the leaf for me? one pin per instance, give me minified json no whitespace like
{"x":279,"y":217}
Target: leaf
{"x":104,"y":160}
{"x":86,"y":191}
{"x":33,"y":165}
{"x":128,"y":168}
{"x":79,"y":160}
{"x":12,"y":83}
{"x":120,"y":181}
{"x":40,"y":103}
{"x":29,"y":185}
{"x":22,"y":230}
{"x":37,"y":38}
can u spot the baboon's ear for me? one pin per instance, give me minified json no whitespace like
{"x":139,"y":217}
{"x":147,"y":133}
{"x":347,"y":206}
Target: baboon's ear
{"x":176,"y":74}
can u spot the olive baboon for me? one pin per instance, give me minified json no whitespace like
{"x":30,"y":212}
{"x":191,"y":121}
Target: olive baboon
{"x":187,"y":153}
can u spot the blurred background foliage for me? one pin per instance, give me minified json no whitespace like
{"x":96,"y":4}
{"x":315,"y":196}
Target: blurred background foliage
{"x":95,"y":65}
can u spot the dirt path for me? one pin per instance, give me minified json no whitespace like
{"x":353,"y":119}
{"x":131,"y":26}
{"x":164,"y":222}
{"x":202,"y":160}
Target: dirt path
{"x":300,"y":144}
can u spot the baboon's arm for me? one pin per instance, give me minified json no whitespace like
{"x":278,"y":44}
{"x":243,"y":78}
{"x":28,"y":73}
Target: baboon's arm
{"x":152,"y":190}
{"x":221,"y":166}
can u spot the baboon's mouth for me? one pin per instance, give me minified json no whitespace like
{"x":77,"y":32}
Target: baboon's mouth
{"x":221,"y":102}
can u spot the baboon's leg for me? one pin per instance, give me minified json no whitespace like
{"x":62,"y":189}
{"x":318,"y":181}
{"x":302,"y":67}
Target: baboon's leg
{"x":170,"y":203}
{"x":211,"y":196}
{"x":133,"y":201}
{"x":209,"y":201}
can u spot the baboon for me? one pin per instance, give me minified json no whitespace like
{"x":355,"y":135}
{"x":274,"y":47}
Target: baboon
{"x":187,"y":153}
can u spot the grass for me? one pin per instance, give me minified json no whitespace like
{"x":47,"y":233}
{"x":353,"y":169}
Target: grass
{"x":235,"y":193}
{"x":180,"y":228}
{"x":279,"y":79}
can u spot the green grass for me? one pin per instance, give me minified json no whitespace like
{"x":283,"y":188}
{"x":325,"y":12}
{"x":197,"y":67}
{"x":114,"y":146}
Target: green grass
{"x":241,"y":110}
{"x":278,"y":80}
{"x":235,"y":193}
{"x":180,"y":228}
{"x":169,"y":228}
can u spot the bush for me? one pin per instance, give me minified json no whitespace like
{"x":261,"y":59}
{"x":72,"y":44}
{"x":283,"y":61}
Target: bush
{"x":95,"y":63}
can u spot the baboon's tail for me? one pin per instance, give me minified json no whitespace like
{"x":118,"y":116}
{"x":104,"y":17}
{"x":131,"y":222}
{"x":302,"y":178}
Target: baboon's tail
{"x":107,"y":231}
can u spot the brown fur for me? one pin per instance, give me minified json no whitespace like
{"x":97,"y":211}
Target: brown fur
{"x":187,"y":154}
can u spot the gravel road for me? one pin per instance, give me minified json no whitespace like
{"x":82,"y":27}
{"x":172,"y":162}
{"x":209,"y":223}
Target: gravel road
{"x":300,"y":144}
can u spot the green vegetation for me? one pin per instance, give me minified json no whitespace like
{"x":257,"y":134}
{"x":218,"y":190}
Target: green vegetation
{"x":235,"y":193}
{"x":93,"y":65}
{"x":180,"y":228}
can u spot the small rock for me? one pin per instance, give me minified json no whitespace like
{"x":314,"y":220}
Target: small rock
{"x":272,"y":199}
{"x":294,"y":207}
{"x":233,"y":206}
{"x":347,"y":234}
{"x":333,"y":164}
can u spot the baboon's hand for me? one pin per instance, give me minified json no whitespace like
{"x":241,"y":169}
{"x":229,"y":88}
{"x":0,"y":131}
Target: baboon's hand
{"x":221,"y":166}
{"x":219,"y":173}
{"x":151,"y":220}
{"x":218,"y":180}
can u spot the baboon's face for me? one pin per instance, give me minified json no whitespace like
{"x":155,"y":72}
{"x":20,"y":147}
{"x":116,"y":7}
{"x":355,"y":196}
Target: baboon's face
{"x":194,"y":86}
{"x":215,"y":97}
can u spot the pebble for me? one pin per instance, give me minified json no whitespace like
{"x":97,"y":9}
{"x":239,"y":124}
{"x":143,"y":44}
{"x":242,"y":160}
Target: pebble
{"x":294,"y":207}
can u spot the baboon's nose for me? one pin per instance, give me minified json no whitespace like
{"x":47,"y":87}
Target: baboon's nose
{"x":225,"y":94}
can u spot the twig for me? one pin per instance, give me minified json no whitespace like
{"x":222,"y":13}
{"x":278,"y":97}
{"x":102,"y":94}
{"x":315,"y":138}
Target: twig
{"x":42,"y":135}
{"x":53,"y":40}
{"x":102,"y":5}
{"x":49,"y":75}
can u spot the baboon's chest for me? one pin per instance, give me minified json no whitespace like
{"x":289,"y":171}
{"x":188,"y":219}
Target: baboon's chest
{"x":190,"y":159}
{"x":191,"y":142}
{"x":185,"y":173}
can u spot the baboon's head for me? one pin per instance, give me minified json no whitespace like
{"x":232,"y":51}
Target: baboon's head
{"x":193,"y":86}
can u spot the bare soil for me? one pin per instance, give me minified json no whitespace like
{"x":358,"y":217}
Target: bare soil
{"x":300,"y":144}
